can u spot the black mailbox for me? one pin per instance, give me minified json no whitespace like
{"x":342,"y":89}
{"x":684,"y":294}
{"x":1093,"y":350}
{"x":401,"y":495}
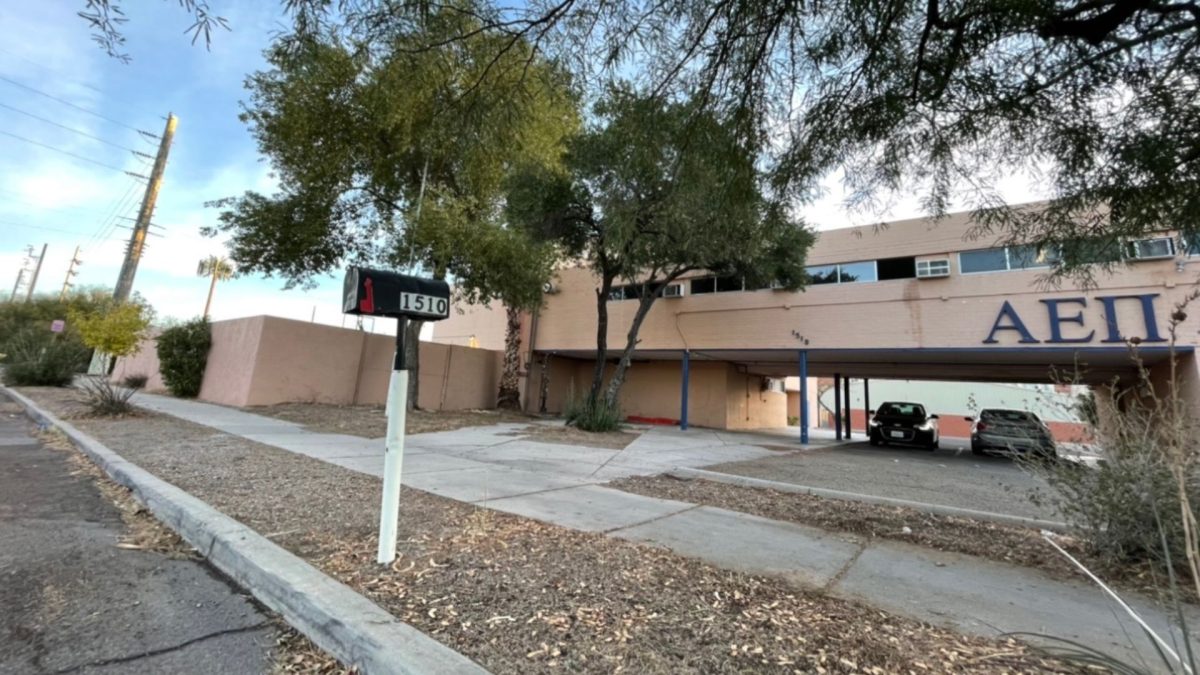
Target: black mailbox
{"x":382,"y":293}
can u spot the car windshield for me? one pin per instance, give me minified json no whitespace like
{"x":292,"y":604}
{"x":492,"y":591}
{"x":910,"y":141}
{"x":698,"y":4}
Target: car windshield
{"x":1019,"y":416}
{"x":902,"y":410}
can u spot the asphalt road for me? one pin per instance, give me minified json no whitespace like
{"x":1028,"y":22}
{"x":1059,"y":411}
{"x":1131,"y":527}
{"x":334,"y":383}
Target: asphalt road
{"x":950,"y":476}
{"x":72,"y":602}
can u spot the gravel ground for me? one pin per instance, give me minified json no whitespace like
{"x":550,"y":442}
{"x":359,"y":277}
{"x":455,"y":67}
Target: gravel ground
{"x":943,"y":477}
{"x":370,"y":421}
{"x":520,"y":596}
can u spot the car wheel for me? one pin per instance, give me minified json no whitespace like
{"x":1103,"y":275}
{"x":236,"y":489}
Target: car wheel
{"x":976,"y":449}
{"x":931,"y":446}
{"x":873,"y":440}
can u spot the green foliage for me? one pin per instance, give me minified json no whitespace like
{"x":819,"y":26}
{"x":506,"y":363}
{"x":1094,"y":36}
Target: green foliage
{"x":183,"y":355}
{"x":593,"y":414}
{"x":39,"y":312}
{"x":1095,"y":101}
{"x":105,"y":399}
{"x":38,"y":358}
{"x":398,"y":153}
{"x":654,"y":190}
{"x":113,"y":328}
{"x":1085,"y":408}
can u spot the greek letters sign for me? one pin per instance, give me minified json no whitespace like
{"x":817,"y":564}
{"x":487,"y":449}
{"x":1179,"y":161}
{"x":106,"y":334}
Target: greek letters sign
{"x":372,"y":292}
{"x":1071,"y":320}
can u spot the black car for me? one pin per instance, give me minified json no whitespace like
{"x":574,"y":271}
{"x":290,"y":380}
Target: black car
{"x":907,"y":423}
{"x":1011,"y":431}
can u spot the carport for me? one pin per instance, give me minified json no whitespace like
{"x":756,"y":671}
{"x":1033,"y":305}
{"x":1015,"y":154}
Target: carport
{"x":1033,"y":364}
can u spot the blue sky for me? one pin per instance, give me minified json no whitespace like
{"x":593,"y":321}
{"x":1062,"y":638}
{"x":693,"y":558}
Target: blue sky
{"x":52,"y":198}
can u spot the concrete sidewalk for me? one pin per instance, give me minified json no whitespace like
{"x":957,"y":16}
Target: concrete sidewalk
{"x":563,"y":484}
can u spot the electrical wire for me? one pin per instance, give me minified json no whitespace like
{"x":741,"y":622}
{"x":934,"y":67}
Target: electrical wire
{"x":47,"y":69}
{"x":42,"y":227}
{"x":67,"y":103}
{"x":120,"y":205}
{"x":60,"y":150}
{"x":71,"y":129}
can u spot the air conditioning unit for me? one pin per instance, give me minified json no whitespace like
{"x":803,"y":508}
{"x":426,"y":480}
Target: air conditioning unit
{"x":775,"y":285}
{"x":933,"y":269}
{"x":549,"y":288}
{"x":674,"y":291}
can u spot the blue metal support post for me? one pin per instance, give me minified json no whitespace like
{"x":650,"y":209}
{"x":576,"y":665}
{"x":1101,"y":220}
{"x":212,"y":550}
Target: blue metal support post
{"x":804,"y":396}
{"x":683,"y":393}
{"x":837,"y":406}
{"x":867,"y":404}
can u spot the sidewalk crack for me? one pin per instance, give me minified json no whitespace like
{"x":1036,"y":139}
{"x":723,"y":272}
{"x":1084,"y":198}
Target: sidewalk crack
{"x":163,"y":650}
{"x":845,"y":569}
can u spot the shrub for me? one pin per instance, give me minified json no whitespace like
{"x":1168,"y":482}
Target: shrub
{"x":135,"y":381}
{"x":593,"y":415}
{"x":106,"y":399}
{"x":183,"y":354}
{"x":115,"y":328}
{"x":37,"y":357}
{"x":18,"y":316}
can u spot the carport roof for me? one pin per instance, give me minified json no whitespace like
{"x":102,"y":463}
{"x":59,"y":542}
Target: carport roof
{"x":1093,"y":365}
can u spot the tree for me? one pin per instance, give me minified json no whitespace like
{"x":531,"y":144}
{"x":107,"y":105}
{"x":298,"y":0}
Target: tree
{"x":219,"y":268}
{"x":105,"y":18}
{"x":653,"y":191}
{"x":1095,"y":99}
{"x":116,"y":330}
{"x":389,"y":150}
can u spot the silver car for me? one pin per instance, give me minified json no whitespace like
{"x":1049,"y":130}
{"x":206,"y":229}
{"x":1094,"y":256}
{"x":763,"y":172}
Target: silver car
{"x":1011,"y":431}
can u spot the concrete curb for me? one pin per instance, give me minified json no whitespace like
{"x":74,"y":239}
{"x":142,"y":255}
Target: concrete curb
{"x":686,"y":473}
{"x":331,"y":614}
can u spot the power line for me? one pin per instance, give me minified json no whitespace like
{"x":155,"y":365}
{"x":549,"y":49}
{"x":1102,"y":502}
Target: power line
{"x":43,"y":227}
{"x":47,"y":69}
{"x":71,"y":129}
{"x":65,"y":152}
{"x":109,"y":225}
{"x":67,"y":103}
{"x":24,"y":204}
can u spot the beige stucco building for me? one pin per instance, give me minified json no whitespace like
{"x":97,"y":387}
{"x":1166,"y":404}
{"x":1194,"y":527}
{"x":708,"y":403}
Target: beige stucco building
{"x":914,"y":299}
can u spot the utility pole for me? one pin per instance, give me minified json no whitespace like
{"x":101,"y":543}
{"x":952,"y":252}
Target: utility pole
{"x":20,"y":278}
{"x":36,"y":271}
{"x":70,"y":273}
{"x":141,"y":228}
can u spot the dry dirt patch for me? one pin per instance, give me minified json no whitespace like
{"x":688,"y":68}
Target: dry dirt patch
{"x":616,"y":440}
{"x":520,"y":596}
{"x":1003,"y":543}
{"x":369,"y":421}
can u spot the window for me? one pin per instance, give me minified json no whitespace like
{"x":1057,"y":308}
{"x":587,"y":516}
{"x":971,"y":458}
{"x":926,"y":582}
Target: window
{"x":901,"y":410}
{"x":822,"y":274}
{"x":1004,"y":258}
{"x":1028,"y":257}
{"x":983,"y":260}
{"x":1088,"y":251}
{"x":704,"y":285}
{"x":727,"y":284}
{"x":896,"y":268}
{"x":855,"y":272}
{"x":1146,"y":249}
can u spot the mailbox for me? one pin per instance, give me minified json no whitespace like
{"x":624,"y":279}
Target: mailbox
{"x":381,"y":293}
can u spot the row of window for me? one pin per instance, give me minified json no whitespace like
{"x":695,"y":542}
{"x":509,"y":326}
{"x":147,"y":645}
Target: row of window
{"x":1003,"y":258}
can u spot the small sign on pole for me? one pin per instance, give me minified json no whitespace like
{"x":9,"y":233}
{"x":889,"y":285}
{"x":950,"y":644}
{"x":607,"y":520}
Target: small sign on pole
{"x":372,"y":292}
{"x":58,"y":326}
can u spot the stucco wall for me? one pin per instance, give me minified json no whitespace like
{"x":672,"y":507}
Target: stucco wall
{"x":142,"y":362}
{"x":266,"y":360}
{"x":485,"y":324}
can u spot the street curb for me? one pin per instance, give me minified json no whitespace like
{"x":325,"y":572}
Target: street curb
{"x":686,"y":473}
{"x":335,"y":617}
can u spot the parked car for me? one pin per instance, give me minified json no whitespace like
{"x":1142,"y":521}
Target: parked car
{"x":908,"y":423}
{"x":1011,"y":431}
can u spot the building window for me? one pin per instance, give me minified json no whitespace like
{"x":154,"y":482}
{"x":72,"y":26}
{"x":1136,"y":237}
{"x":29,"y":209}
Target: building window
{"x":704,"y":285}
{"x":822,"y":274}
{"x":1003,"y":259}
{"x":857,"y":272}
{"x":728,"y":284}
{"x":896,"y":268}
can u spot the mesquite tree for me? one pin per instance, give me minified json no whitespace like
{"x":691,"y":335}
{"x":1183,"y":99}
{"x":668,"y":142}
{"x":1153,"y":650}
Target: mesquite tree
{"x":651,"y":191}
{"x":392,"y":151}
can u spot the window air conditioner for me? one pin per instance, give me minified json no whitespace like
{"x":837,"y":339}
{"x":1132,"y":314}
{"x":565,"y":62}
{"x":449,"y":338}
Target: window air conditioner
{"x":674,"y":291}
{"x":933,"y":269}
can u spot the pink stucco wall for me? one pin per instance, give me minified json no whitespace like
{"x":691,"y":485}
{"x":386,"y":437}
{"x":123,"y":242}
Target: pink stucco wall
{"x":263,"y":360}
{"x":142,"y":362}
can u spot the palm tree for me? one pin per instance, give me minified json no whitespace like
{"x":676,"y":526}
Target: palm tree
{"x":220,"y":269}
